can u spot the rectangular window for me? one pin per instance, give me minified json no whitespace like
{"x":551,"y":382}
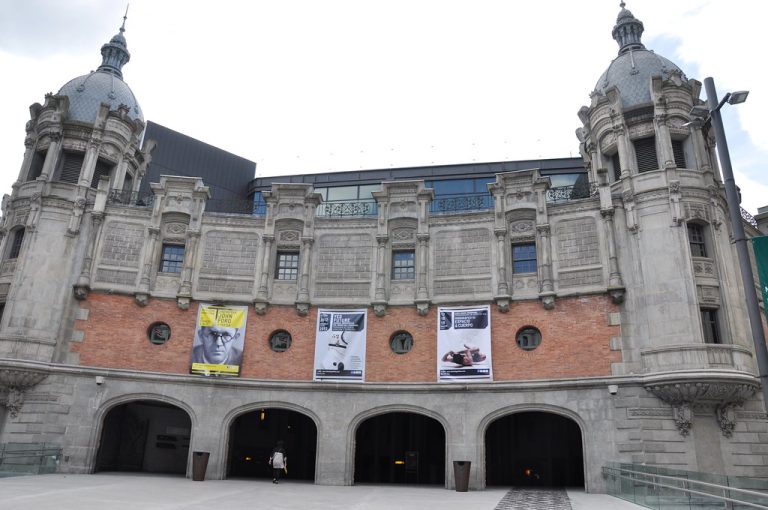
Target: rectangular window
{"x":616,"y":163}
{"x":403,"y":265}
{"x":710,"y":325}
{"x":70,"y":167}
{"x":287,"y":265}
{"x":524,"y":258}
{"x":678,"y":153}
{"x":18,"y":238}
{"x":645,"y":150}
{"x":696,"y":240}
{"x":102,"y":169}
{"x":173,"y":258}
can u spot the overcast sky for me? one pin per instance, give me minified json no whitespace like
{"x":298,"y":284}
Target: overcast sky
{"x":308,"y":86}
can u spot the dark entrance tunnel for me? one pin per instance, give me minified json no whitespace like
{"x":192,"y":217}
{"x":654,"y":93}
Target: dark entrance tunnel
{"x":534,"y":449}
{"x":404,"y":448}
{"x":145,"y":436}
{"x":254,"y":434}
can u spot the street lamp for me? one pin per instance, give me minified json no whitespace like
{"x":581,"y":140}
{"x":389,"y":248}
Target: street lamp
{"x":712,"y":112}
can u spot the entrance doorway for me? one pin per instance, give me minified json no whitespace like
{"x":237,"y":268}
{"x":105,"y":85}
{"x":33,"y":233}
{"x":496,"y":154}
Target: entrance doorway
{"x":400,"y":448}
{"x":254,"y":434}
{"x":145,"y":436}
{"x":534,"y":449}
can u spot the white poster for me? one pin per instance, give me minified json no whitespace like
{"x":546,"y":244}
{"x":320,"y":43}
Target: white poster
{"x":464,"y":344}
{"x":340,"y":345}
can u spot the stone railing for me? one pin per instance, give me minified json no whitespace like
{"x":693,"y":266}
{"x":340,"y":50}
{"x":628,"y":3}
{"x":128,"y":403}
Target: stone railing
{"x":697,"y":357}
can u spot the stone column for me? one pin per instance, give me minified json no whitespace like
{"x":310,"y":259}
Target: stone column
{"x":626,"y":156}
{"x":261,"y":294}
{"x":51,"y":157}
{"x":83,"y":284}
{"x":89,"y":164}
{"x":380,"y":296}
{"x":302,"y":300}
{"x":29,"y":152}
{"x":664,"y":140}
{"x":422,"y":294}
{"x":184,"y":295}
{"x":546,"y":289}
{"x":503,"y":291}
{"x":142,"y":296}
{"x":615,"y":283}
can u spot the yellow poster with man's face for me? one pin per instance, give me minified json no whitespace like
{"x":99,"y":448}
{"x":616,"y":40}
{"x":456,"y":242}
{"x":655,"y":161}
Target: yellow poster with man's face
{"x":217,"y":349}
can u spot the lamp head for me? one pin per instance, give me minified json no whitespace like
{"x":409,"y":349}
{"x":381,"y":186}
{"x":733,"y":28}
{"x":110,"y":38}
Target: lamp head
{"x":738,"y":97}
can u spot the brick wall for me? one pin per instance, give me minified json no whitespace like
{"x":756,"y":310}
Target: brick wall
{"x":575,"y":340}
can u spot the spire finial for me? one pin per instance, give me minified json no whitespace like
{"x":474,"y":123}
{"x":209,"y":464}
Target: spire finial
{"x":622,"y":4}
{"x":125,"y":17}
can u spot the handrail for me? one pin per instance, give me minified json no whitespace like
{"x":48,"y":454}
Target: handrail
{"x":618,"y":472}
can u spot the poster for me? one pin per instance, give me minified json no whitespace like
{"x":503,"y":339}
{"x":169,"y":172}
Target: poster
{"x":217,"y":348}
{"x":464,"y":344}
{"x":340,"y":345}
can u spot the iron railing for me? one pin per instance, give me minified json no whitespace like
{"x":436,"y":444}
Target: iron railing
{"x":347,"y":208}
{"x":130,"y":198}
{"x":666,"y":489}
{"x":461,"y":202}
{"x":28,"y":458}
{"x":748,"y":217}
{"x":575,"y":192}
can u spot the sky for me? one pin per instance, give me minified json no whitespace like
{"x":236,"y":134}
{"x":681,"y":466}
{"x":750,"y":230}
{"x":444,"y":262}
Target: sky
{"x":308,"y":86}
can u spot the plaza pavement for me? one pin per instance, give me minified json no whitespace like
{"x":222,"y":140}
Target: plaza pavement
{"x":158,"y":492}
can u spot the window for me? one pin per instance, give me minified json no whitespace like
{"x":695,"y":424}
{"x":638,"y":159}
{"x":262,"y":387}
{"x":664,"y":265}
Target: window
{"x":36,"y":167}
{"x":173,"y":258}
{"x":696,"y":240}
{"x":280,"y":341}
{"x":18,"y":238}
{"x":524,"y":258}
{"x":287,"y":265}
{"x":401,"y":342}
{"x":528,"y":338}
{"x":102,"y":169}
{"x":679,"y":153}
{"x":70,"y":167}
{"x":645,"y":150}
{"x":710,"y":326}
{"x":403,"y":265}
{"x":158,"y":333}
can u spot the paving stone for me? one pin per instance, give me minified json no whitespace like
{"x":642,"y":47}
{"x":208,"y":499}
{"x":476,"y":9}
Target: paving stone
{"x":535,"y":499}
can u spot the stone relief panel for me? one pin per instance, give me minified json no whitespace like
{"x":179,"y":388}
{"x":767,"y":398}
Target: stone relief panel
{"x":122,"y":244}
{"x":704,"y":267}
{"x":708,"y":295}
{"x":577,"y":243}
{"x":473,"y":286}
{"x":465,"y":252}
{"x":229,"y":254}
{"x":404,"y":235}
{"x":521,"y":229}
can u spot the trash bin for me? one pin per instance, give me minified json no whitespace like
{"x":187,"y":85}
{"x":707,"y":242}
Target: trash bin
{"x":199,"y":465}
{"x":461,"y":474}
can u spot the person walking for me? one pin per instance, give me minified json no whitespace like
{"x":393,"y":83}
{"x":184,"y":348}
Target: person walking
{"x":279,"y":461}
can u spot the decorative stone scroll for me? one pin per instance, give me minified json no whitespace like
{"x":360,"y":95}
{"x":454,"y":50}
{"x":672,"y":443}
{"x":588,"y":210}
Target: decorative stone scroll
{"x":17,"y":382}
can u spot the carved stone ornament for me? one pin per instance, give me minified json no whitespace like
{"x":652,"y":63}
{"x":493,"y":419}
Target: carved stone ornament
{"x":80,"y":291}
{"x":682,"y":395}
{"x":289,"y":236}
{"x":548,"y":301}
{"x":142,"y":299}
{"x":176,"y":229}
{"x":502,"y":303}
{"x":380,"y":309}
{"x":17,"y":382}
{"x":521,"y":228}
{"x":422,"y":307}
{"x":302,"y":309}
{"x":183,"y":302}
{"x":617,"y":295}
{"x":260,"y":306}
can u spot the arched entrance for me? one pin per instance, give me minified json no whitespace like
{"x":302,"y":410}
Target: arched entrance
{"x":534,"y":449}
{"x":400,"y":448}
{"x":254,"y":434}
{"x":145,"y":435}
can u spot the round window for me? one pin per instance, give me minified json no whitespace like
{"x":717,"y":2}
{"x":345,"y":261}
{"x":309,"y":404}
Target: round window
{"x":401,"y":342}
{"x":159,"y":333}
{"x":528,"y":338}
{"x":280,"y":341}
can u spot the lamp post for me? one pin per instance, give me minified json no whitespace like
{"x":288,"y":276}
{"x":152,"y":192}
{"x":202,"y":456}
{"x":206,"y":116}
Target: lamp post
{"x":739,"y":238}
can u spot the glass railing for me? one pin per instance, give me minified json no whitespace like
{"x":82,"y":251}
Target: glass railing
{"x":663,"y":488}
{"x":28,"y":458}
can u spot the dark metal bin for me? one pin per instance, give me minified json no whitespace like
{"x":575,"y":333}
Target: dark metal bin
{"x":461,"y":474}
{"x":199,"y":465}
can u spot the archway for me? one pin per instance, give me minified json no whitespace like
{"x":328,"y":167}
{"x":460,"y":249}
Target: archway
{"x":254,"y":434}
{"x":534,"y":449}
{"x":400,"y":448}
{"x":146,"y":436}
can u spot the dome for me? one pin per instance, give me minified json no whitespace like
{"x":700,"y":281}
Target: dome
{"x":632,"y":70}
{"x":105,"y":85}
{"x":631,"y":73}
{"x":87,"y":92}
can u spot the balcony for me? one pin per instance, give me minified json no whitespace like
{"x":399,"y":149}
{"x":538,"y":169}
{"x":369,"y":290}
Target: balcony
{"x":568,"y":193}
{"x":347,"y":209}
{"x":698,"y":357}
{"x":446,"y":204}
{"x":130,"y":198}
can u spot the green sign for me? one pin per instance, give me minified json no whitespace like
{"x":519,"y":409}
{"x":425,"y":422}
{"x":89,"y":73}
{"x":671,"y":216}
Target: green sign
{"x":760,"y":245}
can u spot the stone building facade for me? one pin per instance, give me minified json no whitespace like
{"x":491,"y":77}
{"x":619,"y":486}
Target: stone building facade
{"x":643,"y":351}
